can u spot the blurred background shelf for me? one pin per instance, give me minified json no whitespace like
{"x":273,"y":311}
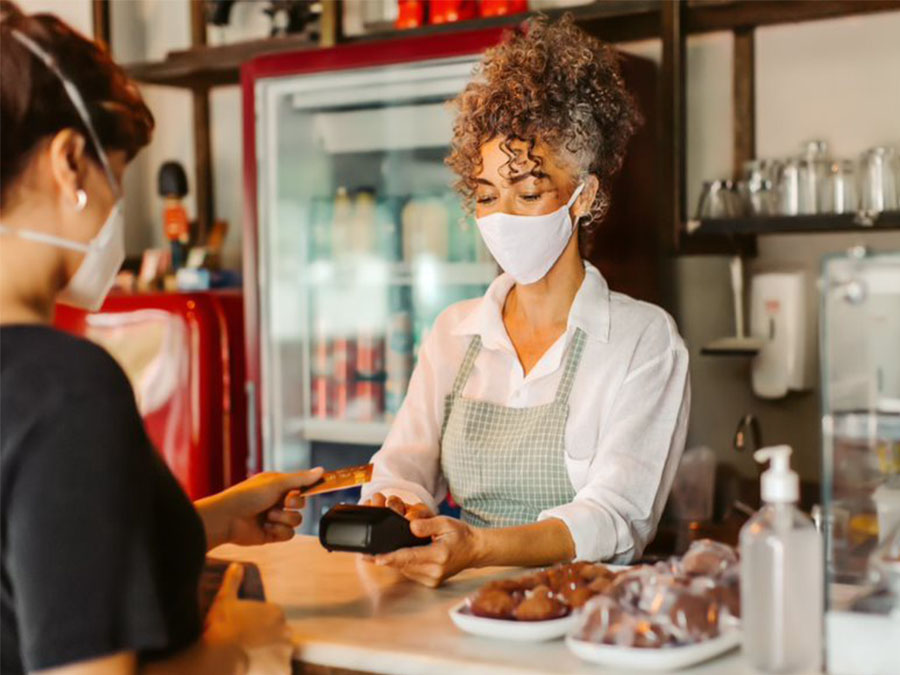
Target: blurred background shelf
{"x":839,"y":222}
{"x":339,"y":431}
{"x":352,"y":273}
{"x":205,"y":66}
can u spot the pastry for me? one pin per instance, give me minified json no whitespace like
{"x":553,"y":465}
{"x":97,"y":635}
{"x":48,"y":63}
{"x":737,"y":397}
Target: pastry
{"x":493,"y":603}
{"x":540,"y":604}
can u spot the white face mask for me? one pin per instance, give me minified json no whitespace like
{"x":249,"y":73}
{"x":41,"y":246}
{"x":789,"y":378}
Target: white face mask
{"x":526,"y":247}
{"x":105,"y":253}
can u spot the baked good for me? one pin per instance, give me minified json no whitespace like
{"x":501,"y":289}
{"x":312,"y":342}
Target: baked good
{"x":540,"y":604}
{"x":493,"y":603}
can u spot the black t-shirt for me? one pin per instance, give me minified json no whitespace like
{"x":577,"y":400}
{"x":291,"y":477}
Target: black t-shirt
{"x":101,"y":549}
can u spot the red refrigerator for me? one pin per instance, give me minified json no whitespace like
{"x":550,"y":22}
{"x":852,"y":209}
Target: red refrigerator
{"x":184,"y":356}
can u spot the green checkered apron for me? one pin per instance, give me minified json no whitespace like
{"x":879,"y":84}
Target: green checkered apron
{"x":506,"y":465}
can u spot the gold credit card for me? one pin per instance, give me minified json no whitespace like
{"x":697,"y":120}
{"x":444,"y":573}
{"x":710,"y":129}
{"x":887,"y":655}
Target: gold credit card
{"x":341,"y":479}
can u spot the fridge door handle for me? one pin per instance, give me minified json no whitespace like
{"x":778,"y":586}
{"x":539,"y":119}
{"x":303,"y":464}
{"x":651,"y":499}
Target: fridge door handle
{"x":252,"y":449}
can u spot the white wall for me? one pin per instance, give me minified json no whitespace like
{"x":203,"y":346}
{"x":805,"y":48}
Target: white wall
{"x":836,"y":80}
{"x":76,"y":13}
{"x":833,"y":79}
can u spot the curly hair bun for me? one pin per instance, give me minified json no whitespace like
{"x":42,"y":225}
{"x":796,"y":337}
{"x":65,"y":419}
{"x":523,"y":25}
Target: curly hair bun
{"x":553,"y":83}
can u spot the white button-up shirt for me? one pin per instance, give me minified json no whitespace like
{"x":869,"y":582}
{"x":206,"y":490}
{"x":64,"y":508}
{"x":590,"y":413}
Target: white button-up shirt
{"x":628,"y":410}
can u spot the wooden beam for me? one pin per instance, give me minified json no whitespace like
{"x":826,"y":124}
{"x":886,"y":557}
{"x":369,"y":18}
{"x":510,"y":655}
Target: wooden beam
{"x":198,"y":23}
{"x":330,"y":32}
{"x":743,"y":99}
{"x":203,"y":162}
{"x":711,"y":15}
{"x":100,"y":16}
{"x":673,"y":131}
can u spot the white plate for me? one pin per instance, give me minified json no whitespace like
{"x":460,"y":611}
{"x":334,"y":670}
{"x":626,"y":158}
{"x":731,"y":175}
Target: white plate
{"x":667,"y":658}
{"x":507,"y":629}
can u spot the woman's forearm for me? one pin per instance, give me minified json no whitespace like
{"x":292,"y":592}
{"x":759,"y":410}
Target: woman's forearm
{"x":215,"y":521}
{"x":545,"y":543}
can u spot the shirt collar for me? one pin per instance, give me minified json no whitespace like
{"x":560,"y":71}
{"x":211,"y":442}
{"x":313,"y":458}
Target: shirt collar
{"x":589,"y":311}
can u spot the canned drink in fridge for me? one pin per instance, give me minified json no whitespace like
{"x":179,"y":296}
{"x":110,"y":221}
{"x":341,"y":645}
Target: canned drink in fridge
{"x":369,"y":355}
{"x":341,"y":398}
{"x":343,"y":357}
{"x":321,"y":350}
{"x":320,"y":396}
{"x":369,"y":400}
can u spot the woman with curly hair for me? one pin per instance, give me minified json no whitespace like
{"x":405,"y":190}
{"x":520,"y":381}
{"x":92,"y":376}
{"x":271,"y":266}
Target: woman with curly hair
{"x":552,"y":409}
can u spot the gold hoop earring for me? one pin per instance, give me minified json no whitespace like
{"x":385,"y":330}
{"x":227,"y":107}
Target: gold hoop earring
{"x":80,"y":200}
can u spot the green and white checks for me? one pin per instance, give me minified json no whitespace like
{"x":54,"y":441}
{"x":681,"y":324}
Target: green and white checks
{"x":506,"y":465}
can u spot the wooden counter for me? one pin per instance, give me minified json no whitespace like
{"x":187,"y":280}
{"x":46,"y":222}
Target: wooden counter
{"x":348,"y":615}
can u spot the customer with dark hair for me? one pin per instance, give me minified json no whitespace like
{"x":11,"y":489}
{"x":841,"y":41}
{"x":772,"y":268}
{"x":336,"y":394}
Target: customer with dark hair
{"x":101,"y":549}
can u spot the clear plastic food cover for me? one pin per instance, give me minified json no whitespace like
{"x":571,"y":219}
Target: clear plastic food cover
{"x":682,"y":601}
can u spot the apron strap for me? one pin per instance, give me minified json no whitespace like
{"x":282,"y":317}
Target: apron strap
{"x":573,"y":359}
{"x":468,"y":363}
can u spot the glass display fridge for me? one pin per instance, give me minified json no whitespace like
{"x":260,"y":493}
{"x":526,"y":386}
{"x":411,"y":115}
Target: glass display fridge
{"x":355,"y":237}
{"x":860,"y":362}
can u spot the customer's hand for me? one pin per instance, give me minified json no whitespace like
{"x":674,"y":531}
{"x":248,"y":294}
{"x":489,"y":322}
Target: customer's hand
{"x":455,"y":546}
{"x":257,"y":629}
{"x":411,"y":511}
{"x":260,"y":510}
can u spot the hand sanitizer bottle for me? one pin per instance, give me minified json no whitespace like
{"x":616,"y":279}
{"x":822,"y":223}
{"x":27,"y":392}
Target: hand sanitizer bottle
{"x":781,"y":576}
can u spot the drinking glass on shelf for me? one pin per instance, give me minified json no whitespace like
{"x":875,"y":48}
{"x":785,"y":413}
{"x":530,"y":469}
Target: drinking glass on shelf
{"x":719,"y":199}
{"x":760,"y":197}
{"x":810,"y":175}
{"x":879,"y":178}
{"x":840,"y":194}
{"x":789,"y":188}
{"x":812,"y":184}
{"x":757,"y":189}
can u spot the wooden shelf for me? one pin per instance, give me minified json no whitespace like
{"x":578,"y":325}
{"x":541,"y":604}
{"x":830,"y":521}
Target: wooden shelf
{"x":704,"y":16}
{"x":204,"y":67}
{"x":841,"y":222}
{"x":612,"y":20}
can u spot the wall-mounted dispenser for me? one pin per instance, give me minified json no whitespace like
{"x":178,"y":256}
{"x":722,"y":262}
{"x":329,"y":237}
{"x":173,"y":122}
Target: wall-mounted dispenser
{"x":778,"y":318}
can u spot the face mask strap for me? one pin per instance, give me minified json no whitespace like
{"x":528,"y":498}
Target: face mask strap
{"x":43,"y":238}
{"x":76,"y":99}
{"x":575,"y":195}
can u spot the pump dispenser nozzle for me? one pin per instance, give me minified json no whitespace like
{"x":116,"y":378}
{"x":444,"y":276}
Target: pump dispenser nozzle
{"x":779,"y":483}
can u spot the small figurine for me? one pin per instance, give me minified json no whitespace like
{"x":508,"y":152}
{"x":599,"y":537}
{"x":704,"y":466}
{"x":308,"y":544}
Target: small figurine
{"x":172,"y":187}
{"x":290,"y":17}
